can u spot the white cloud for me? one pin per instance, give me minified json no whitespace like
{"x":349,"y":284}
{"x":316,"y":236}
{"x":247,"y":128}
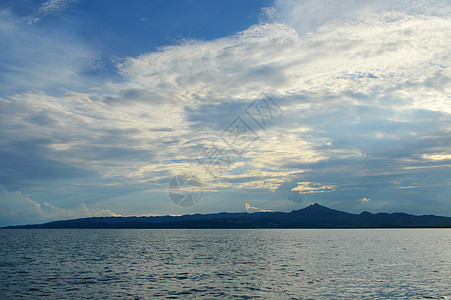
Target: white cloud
{"x":391,"y":61}
{"x":250,"y":208}
{"x":308,"y":16}
{"x":313,"y":187}
{"x":15,"y":205}
{"x":331,"y":73}
{"x":364,"y":200}
{"x":47,"y":8}
{"x":434,"y":157}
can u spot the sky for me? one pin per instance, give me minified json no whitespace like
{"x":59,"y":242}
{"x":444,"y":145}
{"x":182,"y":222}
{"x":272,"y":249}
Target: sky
{"x":264,"y":105}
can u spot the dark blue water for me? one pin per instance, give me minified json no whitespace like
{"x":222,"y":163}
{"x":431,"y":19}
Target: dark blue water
{"x":234,"y":264}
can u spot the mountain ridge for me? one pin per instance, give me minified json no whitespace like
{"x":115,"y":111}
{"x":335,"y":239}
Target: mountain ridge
{"x":312,"y":216}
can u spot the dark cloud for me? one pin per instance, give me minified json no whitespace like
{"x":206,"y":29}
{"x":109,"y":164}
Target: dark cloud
{"x":285,"y":191}
{"x":28,"y":162}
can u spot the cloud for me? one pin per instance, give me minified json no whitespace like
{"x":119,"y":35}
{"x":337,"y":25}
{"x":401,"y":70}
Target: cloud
{"x":365,"y":95}
{"x":307,"y":16}
{"x":20,"y":208}
{"x":47,"y":8}
{"x":313,"y":187}
{"x":364,"y":200}
{"x":433,"y":157}
{"x":286,"y":190}
{"x":36,"y":59}
{"x":250,"y":208}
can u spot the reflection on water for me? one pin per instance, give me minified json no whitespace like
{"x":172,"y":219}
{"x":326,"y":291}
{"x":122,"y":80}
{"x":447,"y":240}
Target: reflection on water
{"x":283,"y":264}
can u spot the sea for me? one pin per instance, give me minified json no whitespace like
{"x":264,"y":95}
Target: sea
{"x":225,"y":264}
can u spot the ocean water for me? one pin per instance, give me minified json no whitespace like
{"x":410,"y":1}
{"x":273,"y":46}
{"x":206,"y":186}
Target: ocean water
{"x":229,"y":264}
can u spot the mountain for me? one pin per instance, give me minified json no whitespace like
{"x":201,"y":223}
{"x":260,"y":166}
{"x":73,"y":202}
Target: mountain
{"x":313,"y":216}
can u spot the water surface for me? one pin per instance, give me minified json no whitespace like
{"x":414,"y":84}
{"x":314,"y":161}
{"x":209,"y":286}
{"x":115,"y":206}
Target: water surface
{"x":235,"y":264}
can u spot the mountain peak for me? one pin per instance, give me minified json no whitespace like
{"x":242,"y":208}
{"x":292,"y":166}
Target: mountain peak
{"x":313,"y":216}
{"x":313,"y":207}
{"x":316,"y":210}
{"x":316,"y":206}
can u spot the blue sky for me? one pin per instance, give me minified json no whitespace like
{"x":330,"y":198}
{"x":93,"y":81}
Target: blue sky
{"x":102,"y":103}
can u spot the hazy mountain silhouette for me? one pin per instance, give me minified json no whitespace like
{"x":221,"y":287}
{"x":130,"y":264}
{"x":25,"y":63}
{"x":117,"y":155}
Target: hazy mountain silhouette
{"x":313,"y":216}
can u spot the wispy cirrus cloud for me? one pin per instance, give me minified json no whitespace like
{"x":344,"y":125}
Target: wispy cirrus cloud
{"x":47,"y":8}
{"x":306,"y":16}
{"x":34,"y":59}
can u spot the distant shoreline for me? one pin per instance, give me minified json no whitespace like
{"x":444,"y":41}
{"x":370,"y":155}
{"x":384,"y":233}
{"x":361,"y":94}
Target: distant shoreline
{"x":21,"y":227}
{"x":314,"y":216}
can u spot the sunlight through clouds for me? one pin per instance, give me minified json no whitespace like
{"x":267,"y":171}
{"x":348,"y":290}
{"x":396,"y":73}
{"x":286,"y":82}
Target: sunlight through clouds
{"x":364,"y":88}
